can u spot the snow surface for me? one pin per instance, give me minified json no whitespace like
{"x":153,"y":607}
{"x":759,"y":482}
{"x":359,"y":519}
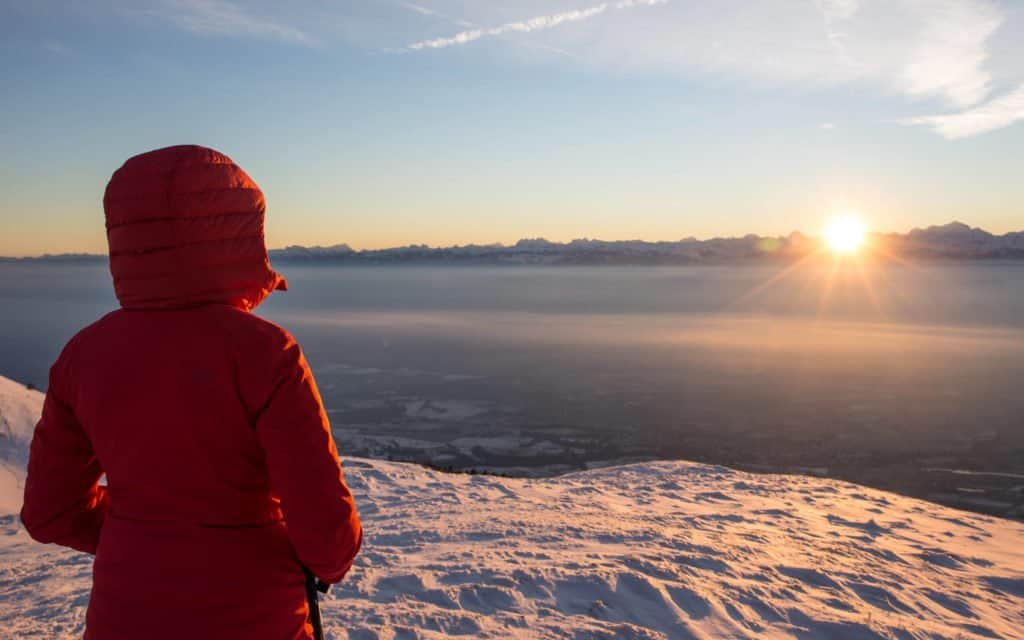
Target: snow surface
{"x":19,"y":411}
{"x":653,"y":550}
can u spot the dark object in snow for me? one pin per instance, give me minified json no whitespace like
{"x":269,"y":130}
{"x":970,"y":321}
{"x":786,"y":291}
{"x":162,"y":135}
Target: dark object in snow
{"x":313,"y":588}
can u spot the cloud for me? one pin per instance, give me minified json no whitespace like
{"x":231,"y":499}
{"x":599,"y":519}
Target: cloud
{"x":423,"y":11}
{"x":533,"y":24}
{"x":922,"y":49}
{"x":832,"y":12}
{"x":995,"y":114}
{"x":223,"y":18}
{"x":949,"y":58}
{"x":840,"y":9}
{"x":941,"y":55}
{"x":432,"y":13}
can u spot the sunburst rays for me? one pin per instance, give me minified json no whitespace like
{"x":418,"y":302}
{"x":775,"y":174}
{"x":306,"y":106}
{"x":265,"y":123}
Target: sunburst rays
{"x":824,"y":267}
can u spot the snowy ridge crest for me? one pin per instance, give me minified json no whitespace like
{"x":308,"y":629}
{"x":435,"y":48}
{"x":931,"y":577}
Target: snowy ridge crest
{"x":646,"y":551}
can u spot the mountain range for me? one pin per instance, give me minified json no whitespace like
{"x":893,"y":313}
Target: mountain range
{"x":953,"y":241}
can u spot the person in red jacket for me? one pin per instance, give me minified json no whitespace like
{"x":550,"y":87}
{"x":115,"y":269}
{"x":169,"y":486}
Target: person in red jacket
{"x":222,"y":478}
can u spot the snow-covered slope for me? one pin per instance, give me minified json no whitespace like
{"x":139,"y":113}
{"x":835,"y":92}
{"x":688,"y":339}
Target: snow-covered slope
{"x":19,"y":411}
{"x":656,"y":550}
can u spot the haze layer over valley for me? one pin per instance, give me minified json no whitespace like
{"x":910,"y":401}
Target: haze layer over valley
{"x":899,"y":376}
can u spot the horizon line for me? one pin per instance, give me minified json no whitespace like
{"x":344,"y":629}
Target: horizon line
{"x":86,"y":254}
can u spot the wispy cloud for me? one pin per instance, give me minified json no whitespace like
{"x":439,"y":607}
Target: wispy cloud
{"x":948,"y":55}
{"x":995,"y":114}
{"x":423,"y":11}
{"x":433,"y":13}
{"x":223,"y":18}
{"x":923,"y":49}
{"x":532,"y":24}
{"x":833,"y":11}
{"x":951,"y":52}
{"x":841,"y":9}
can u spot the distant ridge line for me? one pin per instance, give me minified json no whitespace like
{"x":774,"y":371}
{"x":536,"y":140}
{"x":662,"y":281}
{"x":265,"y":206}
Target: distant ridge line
{"x":955,"y":240}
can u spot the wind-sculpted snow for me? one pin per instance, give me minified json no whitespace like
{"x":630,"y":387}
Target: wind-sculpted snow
{"x":653,"y":550}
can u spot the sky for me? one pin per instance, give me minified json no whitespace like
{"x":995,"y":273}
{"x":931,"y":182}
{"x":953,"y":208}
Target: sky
{"x":381,"y":123}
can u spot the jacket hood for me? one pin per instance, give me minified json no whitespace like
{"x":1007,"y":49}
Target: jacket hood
{"x":185,"y":228}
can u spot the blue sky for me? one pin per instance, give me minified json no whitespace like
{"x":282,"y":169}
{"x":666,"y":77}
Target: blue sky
{"x":455,"y":121}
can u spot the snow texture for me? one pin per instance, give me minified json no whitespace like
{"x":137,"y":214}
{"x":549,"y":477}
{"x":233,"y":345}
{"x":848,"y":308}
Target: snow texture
{"x":653,"y":550}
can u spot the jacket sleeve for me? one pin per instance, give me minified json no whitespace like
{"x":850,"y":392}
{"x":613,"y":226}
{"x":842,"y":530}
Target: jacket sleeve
{"x":305,"y":473}
{"x":64,"y":503}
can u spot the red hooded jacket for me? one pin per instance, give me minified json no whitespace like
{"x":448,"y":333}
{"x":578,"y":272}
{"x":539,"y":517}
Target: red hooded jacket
{"x":222,"y":478}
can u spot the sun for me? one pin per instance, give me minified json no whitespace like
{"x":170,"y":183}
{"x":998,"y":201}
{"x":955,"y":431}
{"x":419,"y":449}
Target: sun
{"x":844,"y":234}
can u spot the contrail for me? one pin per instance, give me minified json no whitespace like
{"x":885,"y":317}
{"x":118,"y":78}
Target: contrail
{"x":533,"y":24}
